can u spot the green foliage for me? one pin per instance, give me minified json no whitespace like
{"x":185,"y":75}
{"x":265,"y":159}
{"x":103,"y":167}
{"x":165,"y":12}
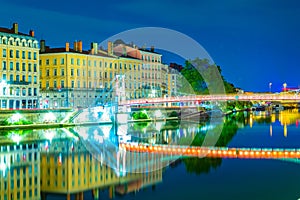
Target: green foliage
{"x":201,"y":75}
{"x":4,"y":123}
{"x":238,"y":105}
{"x":173,"y":114}
{"x":22,"y":122}
{"x":140,"y":115}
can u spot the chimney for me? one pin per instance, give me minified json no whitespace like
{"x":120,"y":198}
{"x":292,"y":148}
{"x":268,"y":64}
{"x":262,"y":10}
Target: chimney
{"x":75,"y":46}
{"x":15,"y":28}
{"x":152,"y":48}
{"x":67,"y":46}
{"x":94,"y":48}
{"x":110,"y":50}
{"x":79,"y":43}
{"x":42,"y":46}
{"x":31,"y":33}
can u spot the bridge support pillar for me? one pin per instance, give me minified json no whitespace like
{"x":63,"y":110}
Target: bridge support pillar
{"x":111,"y":192}
{"x":68,"y":197}
{"x":95,"y":193}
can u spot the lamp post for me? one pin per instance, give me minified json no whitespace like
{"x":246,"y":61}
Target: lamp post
{"x":284,"y":87}
{"x":270,"y":87}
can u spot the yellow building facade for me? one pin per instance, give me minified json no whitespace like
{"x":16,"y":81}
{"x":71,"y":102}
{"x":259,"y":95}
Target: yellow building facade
{"x":20,"y":171}
{"x":73,"y":77}
{"x":19,"y":72}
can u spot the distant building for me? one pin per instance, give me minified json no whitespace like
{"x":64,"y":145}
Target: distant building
{"x":75,"y":77}
{"x":19,"y":74}
{"x":174,"y":81}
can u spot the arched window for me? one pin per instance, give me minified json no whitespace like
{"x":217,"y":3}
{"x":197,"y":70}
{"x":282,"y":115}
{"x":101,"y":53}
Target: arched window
{"x":4,"y":41}
{"x":17,"y":91}
{"x":23,"y":91}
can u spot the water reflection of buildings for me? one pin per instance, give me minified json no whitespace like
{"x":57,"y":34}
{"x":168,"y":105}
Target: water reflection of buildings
{"x":68,"y":168}
{"x":285,"y":117}
{"x":63,"y":165}
{"x":19,"y":171}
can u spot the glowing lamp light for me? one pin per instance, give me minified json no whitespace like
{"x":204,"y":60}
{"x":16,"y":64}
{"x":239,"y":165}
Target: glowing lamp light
{"x":59,"y":160}
{"x":16,"y":138}
{"x":49,"y":117}
{"x":15,"y":117}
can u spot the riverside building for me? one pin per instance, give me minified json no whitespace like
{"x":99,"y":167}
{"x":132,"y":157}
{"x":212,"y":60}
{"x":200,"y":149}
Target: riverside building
{"x":73,"y":77}
{"x":19,"y":74}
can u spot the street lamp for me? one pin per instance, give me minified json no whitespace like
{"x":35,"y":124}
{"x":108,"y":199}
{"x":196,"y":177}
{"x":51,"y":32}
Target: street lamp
{"x":270,"y":87}
{"x":284,"y":87}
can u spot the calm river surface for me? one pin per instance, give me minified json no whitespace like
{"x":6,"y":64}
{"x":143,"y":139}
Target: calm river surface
{"x":199,"y":178}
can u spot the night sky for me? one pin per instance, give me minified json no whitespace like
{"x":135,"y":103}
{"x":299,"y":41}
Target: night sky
{"x":254,"y":41}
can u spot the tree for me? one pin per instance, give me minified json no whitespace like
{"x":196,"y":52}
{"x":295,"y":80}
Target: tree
{"x":202,"y":78}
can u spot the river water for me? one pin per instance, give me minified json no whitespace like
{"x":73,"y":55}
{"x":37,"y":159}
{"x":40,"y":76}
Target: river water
{"x":192,"y":177}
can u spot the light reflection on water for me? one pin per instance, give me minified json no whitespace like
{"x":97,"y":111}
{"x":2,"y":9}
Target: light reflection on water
{"x":64,"y":163}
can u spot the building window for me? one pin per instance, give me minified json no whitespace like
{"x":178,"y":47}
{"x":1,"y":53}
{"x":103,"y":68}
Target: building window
{"x":3,"y":65}
{"x":72,"y":72}
{"x":89,"y":63}
{"x":120,"y":65}
{"x":78,"y":84}
{"x":4,"y":53}
{"x":47,"y":61}
{"x":78,"y":72}
{"x":17,"y":54}
{"x":72,"y":84}
{"x":35,"y":80}
{"x":17,"y":91}
{"x":11,"y":77}
{"x":34,"y":67}
{"x":54,"y":61}
{"x":47,"y":84}
{"x":72,"y":61}
{"x":62,"y":61}
{"x":95,"y":63}
{"x":23,"y":78}
{"x":4,"y":76}
{"x":34,"y":56}
{"x":29,"y":92}
{"x":23,"y":54}
{"x":62,"y":72}
{"x":29,"y":55}
{"x":29,"y":79}
{"x":17,"y":66}
{"x":11,"y":53}
{"x":78,"y":61}
{"x":62,"y":84}
{"x":47,"y":72}
{"x":110,"y":65}
{"x":11,"y":65}
{"x":23,"y":91}
{"x":90,"y":84}
{"x":89,"y":73}
{"x":29,"y":67}
{"x":54,"y":84}
{"x":23,"y":67}
{"x":34,"y":92}
{"x":54,"y":72}
{"x":83,"y":62}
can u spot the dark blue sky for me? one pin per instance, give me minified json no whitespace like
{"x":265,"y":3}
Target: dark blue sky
{"x":254,"y":41}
